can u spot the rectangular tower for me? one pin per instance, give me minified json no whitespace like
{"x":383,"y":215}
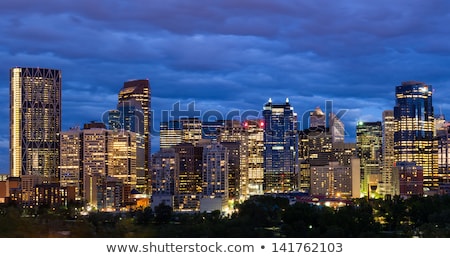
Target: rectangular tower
{"x":35,"y":121}
{"x":280,"y":148}
{"x":133,"y":92}
{"x":414,"y":129}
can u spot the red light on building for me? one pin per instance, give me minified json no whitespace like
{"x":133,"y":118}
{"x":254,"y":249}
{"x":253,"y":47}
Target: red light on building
{"x":245,"y":124}
{"x":261,"y":124}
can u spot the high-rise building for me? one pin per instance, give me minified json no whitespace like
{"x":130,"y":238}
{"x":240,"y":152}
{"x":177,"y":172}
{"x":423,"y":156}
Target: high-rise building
{"x":135,"y":100}
{"x":414,"y":130}
{"x":94,"y":157}
{"x":337,"y":128}
{"x":388,"y":159}
{"x":188,"y":177}
{"x":191,"y":130}
{"x":35,"y":121}
{"x":317,"y":118}
{"x":71,"y":162}
{"x":368,"y":142}
{"x":235,"y":138}
{"x":215,"y":171}
{"x":443,"y":147}
{"x":170,"y":134}
{"x":280,"y":147}
{"x":254,"y":139}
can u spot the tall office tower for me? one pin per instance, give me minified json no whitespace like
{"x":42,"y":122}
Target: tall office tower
{"x":138,"y":91}
{"x":125,"y":158}
{"x":233,"y":136}
{"x":388,"y":159}
{"x":35,"y":121}
{"x":254,"y":133}
{"x":317,"y":118}
{"x":234,"y":170}
{"x":337,"y":128}
{"x":442,"y":141}
{"x":94,"y":161}
{"x":280,"y":148}
{"x":414,"y":130}
{"x":191,"y":130}
{"x":107,"y":156}
{"x":127,"y":117}
{"x":368,"y":142}
{"x":315,"y":146}
{"x":170,"y":134}
{"x":188,"y":177}
{"x":163,"y":169}
{"x":211,"y":129}
{"x":215,"y":171}
{"x":71,"y":162}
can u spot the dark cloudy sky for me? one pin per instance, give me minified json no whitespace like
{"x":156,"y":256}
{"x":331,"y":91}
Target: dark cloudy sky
{"x":228,"y":55}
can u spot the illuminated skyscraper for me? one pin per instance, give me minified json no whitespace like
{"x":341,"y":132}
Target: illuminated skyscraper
{"x":188,"y":177}
{"x":215,"y":171}
{"x":235,"y":138}
{"x":135,"y":103}
{"x":280,"y":147}
{"x":254,"y":139}
{"x":388,"y":159}
{"x":71,"y":162}
{"x":368,"y":141}
{"x":414,"y":129}
{"x":337,"y":128}
{"x":35,"y":121}
{"x":92,"y":157}
{"x":170,"y":134}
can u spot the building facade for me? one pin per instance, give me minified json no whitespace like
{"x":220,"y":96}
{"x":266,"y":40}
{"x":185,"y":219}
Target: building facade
{"x":414,"y":130}
{"x":35,"y":121}
{"x":280,"y":147}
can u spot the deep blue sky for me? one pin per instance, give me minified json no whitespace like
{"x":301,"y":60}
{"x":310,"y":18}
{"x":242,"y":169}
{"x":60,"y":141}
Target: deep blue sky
{"x":228,"y":55}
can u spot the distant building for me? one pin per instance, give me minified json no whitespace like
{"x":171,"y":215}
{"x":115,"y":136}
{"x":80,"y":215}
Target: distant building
{"x":337,"y":128}
{"x":369,"y":144}
{"x":254,"y":140}
{"x":280,"y":147}
{"x":336,"y":180}
{"x":93,"y":157}
{"x":170,"y":134}
{"x":388,"y":158}
{"x":188,"y":177}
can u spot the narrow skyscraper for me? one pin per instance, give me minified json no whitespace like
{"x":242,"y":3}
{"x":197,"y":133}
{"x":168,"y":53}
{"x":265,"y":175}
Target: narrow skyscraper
{"x":135,"y":96}
{"x":35,"y":121}
{"x":280,"y":148}
{"x":414,"y":129}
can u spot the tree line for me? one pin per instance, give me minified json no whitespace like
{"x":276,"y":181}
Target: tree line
{"x":259,"y":216}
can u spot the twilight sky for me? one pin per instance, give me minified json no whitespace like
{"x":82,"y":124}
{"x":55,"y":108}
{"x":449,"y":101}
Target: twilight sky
{"x":228,"y":55}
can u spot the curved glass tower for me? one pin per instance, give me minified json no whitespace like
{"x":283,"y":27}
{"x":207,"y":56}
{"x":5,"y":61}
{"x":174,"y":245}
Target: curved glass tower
{"x":414,"y":129}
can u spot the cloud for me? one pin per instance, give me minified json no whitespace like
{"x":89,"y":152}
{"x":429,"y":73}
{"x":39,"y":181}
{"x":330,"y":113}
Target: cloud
{"x":229,"y":55}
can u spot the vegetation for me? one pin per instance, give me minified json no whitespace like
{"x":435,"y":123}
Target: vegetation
{"x":260,"y":216}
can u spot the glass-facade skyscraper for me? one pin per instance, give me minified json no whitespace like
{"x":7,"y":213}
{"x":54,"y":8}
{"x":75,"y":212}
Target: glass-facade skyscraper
{"x":35,"y":122}
{"x":414,"y":129}
{"x":280,"y":147}
{"x":135,"y":106}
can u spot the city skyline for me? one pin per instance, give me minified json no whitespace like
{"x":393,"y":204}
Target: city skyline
{"x":228,"y":56}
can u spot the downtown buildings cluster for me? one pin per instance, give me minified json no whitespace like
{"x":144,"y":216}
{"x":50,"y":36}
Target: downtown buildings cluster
{"x":205,"y":165}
